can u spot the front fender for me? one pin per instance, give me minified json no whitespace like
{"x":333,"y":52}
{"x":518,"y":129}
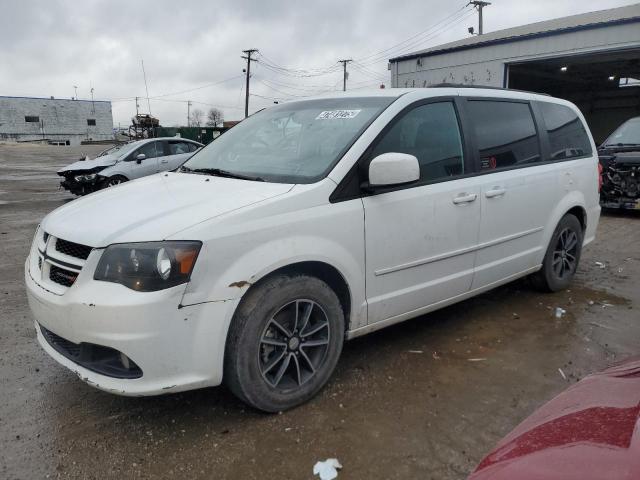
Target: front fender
{"x":332,"y":234}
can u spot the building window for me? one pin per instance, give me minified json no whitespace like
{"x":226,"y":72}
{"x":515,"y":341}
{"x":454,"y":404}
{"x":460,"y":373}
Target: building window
{"x":91,"y":122}
{"x":31,"y":119}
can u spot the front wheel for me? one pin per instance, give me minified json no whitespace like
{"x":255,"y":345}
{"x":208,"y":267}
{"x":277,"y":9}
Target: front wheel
{"x":113,"y":181}
{"x":284,"y":342}
{"x":561,"y":259}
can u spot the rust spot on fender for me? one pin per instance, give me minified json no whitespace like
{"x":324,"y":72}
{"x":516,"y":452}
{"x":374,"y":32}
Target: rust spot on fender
{"x":240,"y":284}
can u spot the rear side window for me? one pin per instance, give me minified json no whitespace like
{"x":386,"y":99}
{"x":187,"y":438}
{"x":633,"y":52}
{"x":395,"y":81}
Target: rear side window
{"x":178,"y":148}
{"x":567,"y":135}
{"x":430,"y":133}
{"x":505,"y":133}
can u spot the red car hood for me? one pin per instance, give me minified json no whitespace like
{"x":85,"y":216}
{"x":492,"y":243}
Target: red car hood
{"x":590,"y":431}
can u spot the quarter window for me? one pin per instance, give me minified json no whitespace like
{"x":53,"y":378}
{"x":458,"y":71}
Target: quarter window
{"x":430,"y":133}
{"x":505,"y":133}
{"x":567,"y":135}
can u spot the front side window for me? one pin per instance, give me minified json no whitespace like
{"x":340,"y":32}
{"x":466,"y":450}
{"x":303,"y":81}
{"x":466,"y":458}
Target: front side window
{"x":505,"y":133}
{"x":567,"y":135}
{"x":148,"y":149}
{"x":430,"y":133}
{"x":297,"y":142}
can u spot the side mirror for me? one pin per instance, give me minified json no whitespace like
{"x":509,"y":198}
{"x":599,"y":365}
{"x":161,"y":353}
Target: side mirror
{"x":393,"y":168}
{"x":140,"y":157}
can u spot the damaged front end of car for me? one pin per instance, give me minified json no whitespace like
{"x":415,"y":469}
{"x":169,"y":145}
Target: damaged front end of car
{"x":82,"y":182}
{"x":620,"y":179}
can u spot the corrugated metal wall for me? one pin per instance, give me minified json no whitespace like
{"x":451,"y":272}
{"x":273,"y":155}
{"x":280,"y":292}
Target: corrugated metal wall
{"x":57,"y":119}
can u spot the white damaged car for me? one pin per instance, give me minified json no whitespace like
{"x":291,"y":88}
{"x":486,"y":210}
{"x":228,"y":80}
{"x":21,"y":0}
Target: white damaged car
{"x":126,"y":162}
{"x":309,"y":223}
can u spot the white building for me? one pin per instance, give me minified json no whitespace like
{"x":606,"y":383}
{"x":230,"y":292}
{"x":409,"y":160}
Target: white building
{"x":63,"y":121}
{"x":584,"y":58}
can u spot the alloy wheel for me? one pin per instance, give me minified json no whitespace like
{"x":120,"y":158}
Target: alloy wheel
{"x":294,"y":344}
{"x":564,"y":260}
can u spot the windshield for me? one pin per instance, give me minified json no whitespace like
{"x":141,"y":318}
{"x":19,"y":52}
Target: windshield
{"x":292,"y":143}
{"x":627,"y":134}
{"x":111,"y":151}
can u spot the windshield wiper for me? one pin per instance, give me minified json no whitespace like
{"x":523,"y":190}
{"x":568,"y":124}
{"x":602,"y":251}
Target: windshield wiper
{"x":622,"y":145}
{"x":217,"y":172}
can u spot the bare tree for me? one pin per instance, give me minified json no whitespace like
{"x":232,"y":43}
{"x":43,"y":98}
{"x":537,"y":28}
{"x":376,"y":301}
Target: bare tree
{"x":214,"y":117}
{"x":197,"y":116}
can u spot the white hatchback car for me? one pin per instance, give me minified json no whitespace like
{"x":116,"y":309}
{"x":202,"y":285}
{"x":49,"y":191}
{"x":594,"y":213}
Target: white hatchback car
{"x":310,"y":223}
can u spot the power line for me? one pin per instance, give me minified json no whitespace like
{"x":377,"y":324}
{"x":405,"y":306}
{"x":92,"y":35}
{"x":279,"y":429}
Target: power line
{"x":412,"y":39}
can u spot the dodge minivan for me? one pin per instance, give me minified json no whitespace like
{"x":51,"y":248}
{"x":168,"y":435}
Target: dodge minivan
{"x":309,"y":223}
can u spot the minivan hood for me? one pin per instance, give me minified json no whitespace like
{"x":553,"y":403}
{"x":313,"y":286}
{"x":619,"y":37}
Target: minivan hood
{"x":153,"y":208}
{"x":104,"y":161}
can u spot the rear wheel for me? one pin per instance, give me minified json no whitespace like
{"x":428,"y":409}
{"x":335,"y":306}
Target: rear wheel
{"x":284,"y":342}
{"x":563,"y":254}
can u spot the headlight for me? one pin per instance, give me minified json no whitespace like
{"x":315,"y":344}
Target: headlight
{"x":147,"y":267}
{"x":85,"y":178}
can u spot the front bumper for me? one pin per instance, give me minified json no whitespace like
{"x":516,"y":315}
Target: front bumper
{"x":176,"y":347}
{"x":81,"y":188}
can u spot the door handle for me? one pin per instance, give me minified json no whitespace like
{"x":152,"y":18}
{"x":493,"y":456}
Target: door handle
{"x":164,"y":161}
{"x":495,"y":192}
{"x":465,"y":198}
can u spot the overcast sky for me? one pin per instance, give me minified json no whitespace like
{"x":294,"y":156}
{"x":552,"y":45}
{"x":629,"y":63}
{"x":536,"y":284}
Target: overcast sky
{"x":50,"y":46}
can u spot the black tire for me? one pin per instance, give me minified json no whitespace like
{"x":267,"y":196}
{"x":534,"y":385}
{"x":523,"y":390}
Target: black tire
{"x":113,"y":181}
{"x":263,"y":330}
{"x":562,"y":257}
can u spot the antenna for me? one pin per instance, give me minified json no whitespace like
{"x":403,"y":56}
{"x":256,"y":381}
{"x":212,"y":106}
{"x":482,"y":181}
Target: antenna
{"x":146,"y":87}
{"x":93,"y":104}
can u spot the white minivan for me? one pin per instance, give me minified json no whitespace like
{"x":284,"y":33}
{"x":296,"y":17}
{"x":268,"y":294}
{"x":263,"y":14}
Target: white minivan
{"x":309,"y":223}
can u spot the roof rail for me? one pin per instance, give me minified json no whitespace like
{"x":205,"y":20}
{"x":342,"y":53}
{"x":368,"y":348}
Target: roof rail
{"x":485,"y":87}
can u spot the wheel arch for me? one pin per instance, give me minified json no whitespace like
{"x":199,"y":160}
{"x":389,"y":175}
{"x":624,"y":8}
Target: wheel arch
{"x":581,"y":214}
{"x":321,"y":270}
{"x":572,"y":203}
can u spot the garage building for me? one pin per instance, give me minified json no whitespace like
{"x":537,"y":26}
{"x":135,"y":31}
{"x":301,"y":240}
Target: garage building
{"x":58,"y":121}
{"x":591,"y":59}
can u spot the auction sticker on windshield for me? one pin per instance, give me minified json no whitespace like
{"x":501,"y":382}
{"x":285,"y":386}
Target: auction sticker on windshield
{"x":335,"y":114}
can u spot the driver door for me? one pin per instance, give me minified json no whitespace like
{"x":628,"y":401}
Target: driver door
{"x":420,"y":239}
{"x":146,"y":166}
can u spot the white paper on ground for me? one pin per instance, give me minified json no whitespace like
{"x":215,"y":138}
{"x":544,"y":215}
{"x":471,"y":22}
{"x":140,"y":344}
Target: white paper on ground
{"x":328,"y":470}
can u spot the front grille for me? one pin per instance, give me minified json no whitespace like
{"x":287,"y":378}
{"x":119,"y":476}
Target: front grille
{"x":61,"y":276}
{"x":72,"y":249}
{"x":65,"y":347}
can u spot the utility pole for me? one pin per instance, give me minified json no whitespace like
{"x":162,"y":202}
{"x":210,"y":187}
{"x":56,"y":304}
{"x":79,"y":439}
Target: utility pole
{"x":189,"y":113}
{"x":137,"y":106}
{"x":248,"y":58}
{"x":344,"y":73}
{"x":479,"y":5}
{"x":75,"y":88}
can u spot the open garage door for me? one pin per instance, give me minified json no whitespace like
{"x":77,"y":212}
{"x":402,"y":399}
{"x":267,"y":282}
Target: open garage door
{"x":603,"y":85}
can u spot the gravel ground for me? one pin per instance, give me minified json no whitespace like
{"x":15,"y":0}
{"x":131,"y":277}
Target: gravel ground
{"x":405,"y":402}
